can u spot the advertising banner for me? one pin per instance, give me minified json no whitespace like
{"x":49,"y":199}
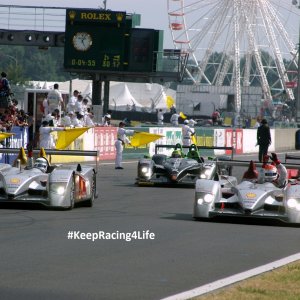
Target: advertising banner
{"x":234,"y":138}
{"x":219,"y":140}
{"x":205,"y":137}
{"x":18,"y":140}
{"x":104,"y":142}
{"x":171,"y":136}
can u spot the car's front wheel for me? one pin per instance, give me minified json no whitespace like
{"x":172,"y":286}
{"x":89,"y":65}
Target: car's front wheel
{"x":90,"y":202}
{"x":72,"y":195}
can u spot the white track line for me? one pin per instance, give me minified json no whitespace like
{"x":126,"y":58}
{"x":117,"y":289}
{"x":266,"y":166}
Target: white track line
{"x":207,"y":288}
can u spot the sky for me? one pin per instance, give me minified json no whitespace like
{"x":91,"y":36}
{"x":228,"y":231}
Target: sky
{"x":153,"y":12}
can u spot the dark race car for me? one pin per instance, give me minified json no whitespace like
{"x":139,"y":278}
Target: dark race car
{"x":179,"y":169}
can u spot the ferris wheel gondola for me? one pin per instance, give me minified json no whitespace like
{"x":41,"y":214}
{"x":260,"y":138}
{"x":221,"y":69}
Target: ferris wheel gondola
{"x":238,"y":43}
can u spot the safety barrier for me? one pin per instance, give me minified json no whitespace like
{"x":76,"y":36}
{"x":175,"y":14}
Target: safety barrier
{"x":102,"y":139}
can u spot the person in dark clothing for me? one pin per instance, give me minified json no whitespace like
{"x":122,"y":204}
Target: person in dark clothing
{"x":263,"y":139}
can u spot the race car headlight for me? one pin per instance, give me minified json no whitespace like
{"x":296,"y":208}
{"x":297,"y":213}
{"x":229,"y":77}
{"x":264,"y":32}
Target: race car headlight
{"x":60,"y":190}
{"x":144,"y":170}
{"x":206,"y":174}
{"x":293,"y":203}
{"x":208,"y":198}
{"x":200,"y":201}
{"x":204,"y":198}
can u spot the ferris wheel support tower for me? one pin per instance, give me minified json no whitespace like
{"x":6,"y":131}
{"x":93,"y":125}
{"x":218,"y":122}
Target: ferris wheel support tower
{"x":238,"y":43}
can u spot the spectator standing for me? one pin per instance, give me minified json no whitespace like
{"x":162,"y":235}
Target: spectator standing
{"x":107,"y":118}
{"x":78,"y":105}
{"x":4,"y":85}
{"x":85,"y":106}
{"x":215,"y":117}
{"x":263,"y":139}
{"x":80,"y":120}
{"x":72,"y":101}
{"x":257,"y":123}
{"x":122,"y":139}
{"x":4,"y":92}
{"x":172,"y":109}
{"x":88,"y":120}
{"x":174,"y":119}
{"x":192,"y":123}
{"x":66,"y":120}
{"x":74,"y":120}
{"x":55,"y":100}
{"x":187,"y":133}
{"x":160,"y":117}
{"x":45,"y":106}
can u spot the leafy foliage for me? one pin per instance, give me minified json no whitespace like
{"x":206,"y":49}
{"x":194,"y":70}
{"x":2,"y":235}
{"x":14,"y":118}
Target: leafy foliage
{"x":24,"y":63}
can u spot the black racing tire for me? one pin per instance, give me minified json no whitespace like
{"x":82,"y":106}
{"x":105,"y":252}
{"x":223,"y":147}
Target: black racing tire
{"x":90,"y":202}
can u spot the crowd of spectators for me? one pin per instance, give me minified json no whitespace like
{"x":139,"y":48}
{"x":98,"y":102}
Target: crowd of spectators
{"x":12,"y":116}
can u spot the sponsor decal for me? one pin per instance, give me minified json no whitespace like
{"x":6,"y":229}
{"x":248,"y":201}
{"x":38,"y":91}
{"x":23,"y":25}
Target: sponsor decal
{"x":14,"y":180}
{"x":250,"y":195}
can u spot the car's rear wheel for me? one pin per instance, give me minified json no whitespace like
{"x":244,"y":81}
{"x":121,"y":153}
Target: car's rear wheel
{"x":90,"y":202}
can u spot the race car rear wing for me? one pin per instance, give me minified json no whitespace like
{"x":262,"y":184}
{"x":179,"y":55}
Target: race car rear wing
{"x":198,"y":147}
{"x":55,"y":152}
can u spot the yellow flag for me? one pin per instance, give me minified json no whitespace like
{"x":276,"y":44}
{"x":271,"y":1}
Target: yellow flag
{"x":143,"y":138}
{"x":4,"y":135}
{"x":194,"y":139}
{"x":65,"y":138}
{"x":170,"y":101}
{"x":182,"y":115}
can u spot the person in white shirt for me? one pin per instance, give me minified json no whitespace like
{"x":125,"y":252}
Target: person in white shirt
{"x":106,"y":118}
{"x":46,"y":139}
{"x":66,"y":120}
{"x":174,"y":119}
{"x":72,"y":101}
{"x":122,"y":139}
{"x":74,"y":120}
{"x":85,"y":106}
{"x":187,"y":133}
{"x":80,"y":120}
{"x":88,"y":120}
{"x":45,"y":107}
{"x":55,"y":100}
{"x":78,"y":105}
{"x":192,"y":123}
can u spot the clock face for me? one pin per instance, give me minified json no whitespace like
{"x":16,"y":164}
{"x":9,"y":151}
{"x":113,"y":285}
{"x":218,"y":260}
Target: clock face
{"x":82,"y":41}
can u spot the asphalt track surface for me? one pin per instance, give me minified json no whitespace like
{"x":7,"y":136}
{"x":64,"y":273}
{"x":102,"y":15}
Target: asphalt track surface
{"x":38,"y":261}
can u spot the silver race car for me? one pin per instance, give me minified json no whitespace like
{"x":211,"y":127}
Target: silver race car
{"x":178,"y":169}
{"x":249,"y":199}
{"x":51,"y":185}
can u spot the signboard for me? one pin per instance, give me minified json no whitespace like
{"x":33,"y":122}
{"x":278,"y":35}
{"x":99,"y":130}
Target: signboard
{"x":95,"y":40}
{"x":106,"y":41}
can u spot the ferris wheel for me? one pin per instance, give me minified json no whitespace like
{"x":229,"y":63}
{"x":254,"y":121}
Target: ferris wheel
{"x":238,"y":43}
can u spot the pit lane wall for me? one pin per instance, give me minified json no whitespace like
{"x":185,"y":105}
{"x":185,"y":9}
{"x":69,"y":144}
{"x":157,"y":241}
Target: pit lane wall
{"x":103,"y":139}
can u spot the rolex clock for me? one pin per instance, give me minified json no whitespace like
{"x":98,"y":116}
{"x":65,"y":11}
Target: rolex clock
{"x":82,"y":41}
